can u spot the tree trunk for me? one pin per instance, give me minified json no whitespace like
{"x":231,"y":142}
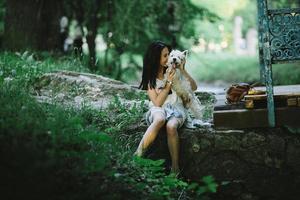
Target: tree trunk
{"x":77,"y":8}
{"x":92,"y":26}
{"x":92,"y":45}
{"x":32,"y":24}
{"x":106,"y":36}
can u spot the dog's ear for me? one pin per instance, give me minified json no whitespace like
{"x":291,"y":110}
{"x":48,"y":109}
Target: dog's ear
{"x":185,"y":53}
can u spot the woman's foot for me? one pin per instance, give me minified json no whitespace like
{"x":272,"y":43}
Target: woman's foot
{"x":138,"y":152}
{"x":175,"y":171}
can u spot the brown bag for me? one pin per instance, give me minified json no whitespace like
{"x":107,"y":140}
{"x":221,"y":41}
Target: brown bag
{"x":236,"y":92}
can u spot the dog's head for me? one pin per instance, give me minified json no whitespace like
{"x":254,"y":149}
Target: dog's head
{"x":176,"y":57}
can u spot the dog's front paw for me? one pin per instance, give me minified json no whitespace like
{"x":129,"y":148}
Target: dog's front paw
{"x":200,"y":123}
{"x":185,"y":100}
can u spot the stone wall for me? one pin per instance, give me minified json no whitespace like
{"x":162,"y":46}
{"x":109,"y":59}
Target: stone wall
{"x":248,"y":164}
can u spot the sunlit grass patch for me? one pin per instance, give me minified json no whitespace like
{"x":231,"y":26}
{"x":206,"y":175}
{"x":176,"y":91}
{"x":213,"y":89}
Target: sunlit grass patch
{"x":230,"y":68}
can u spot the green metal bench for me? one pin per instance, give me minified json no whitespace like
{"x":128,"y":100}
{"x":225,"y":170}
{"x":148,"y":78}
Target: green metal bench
{"x":279,"y":42}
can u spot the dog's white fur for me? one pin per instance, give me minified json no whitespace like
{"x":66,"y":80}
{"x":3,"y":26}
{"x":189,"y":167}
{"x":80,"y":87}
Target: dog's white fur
{"x":182,"y":86}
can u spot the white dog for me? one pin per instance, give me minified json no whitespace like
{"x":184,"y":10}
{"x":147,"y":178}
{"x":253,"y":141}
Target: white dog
{"x":183,"y":88}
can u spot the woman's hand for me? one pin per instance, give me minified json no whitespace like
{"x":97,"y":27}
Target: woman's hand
{"x":170,"y":74}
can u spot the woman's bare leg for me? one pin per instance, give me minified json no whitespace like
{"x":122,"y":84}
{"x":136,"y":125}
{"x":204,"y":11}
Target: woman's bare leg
{"x":173,"y":143}
{"x":151,"y":133}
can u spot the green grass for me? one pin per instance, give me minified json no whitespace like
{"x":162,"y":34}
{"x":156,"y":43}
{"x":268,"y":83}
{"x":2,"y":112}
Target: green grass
{"x":204,"y":67}
{"x":26,"y":66}
{"x":232,"y":68}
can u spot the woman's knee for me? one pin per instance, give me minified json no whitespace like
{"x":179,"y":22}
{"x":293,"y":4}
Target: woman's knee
{"x":159,"y":119}
{"x":172,"y":128}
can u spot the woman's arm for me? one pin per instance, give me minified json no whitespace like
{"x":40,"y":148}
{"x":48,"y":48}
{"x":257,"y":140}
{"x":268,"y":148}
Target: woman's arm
{"x":158,"y":99}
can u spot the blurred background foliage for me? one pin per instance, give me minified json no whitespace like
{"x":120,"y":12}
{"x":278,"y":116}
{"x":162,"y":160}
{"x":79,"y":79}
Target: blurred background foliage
{"x":110,"y":37}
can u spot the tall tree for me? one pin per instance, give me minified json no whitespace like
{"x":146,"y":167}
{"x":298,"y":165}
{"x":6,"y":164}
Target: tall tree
{"x":93,"y":20}
{"x":32,"y":24}
{"x":134,"y":24}
{"x":88,"y":15}
{"x":126,"y":26}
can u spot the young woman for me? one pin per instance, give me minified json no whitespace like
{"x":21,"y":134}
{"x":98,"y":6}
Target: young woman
{"x":165,"y":106}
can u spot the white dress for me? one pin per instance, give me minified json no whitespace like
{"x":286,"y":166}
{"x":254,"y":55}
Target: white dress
{"x":172,"y":107}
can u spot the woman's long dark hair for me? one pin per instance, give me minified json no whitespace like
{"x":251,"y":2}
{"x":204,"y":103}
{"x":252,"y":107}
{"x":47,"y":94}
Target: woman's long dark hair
{"x":151,"y":63}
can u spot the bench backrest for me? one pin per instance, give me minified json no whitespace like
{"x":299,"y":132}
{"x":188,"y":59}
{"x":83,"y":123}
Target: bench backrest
{"x":279,"y":34}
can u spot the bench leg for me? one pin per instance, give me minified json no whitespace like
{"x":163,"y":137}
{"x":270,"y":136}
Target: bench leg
{"x":270,"y":95}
